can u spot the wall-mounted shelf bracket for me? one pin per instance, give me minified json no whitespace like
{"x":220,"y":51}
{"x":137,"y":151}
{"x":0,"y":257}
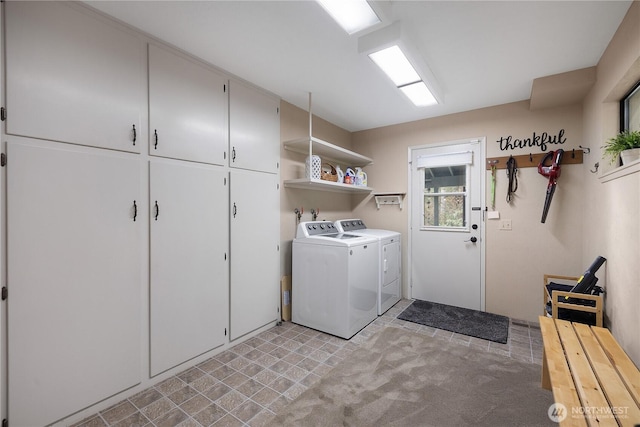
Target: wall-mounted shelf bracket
{"x":389,"y":199}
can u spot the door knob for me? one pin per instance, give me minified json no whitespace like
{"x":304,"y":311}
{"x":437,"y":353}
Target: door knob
{"x":472,"y":240}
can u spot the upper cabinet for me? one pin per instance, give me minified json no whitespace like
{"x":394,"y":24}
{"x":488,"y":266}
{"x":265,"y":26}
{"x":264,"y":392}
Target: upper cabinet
{"x":187,"y":109}
{"x":73,"y":77}
{"x":254,"y":129}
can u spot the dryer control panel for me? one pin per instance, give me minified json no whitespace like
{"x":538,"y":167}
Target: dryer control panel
{"x":352,"y":225}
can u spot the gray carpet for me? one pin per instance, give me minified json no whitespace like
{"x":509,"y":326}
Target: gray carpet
{"x":479,"y":324}
{"x":406,"y":379}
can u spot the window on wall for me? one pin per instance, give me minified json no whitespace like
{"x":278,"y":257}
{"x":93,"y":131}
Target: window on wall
{"x":630,"y":110}
{"x":445,"y":196}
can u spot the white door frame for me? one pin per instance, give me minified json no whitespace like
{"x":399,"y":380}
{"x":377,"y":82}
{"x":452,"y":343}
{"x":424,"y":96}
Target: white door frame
{"x":482,"y":163}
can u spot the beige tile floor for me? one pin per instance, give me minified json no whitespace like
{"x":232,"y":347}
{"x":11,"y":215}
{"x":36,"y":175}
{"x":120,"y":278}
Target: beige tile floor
{"x":248,"y":383}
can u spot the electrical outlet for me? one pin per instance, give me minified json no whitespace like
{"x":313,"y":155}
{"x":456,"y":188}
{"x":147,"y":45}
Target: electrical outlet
{"x":505,"y":224}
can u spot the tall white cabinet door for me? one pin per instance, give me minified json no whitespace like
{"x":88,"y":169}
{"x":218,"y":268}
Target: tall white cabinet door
{"x":255,"y":261}
{"x":74,"y":278}
{"x":188,"y":109}
{"x":189,"y":267}
{"x":72,"y":77}
{"x":254,"y":129}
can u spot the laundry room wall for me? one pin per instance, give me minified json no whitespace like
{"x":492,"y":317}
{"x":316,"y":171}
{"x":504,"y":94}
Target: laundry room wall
{"x":515,"y":260}
{"x":294,"y":124}
{"x":611,"y":227}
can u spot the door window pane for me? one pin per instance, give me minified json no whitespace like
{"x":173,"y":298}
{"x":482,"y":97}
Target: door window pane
{"x":445,"y":197}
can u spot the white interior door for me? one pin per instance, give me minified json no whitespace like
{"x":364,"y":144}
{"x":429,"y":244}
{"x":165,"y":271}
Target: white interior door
{"x":447,"y":225}
{"x":255,"y":236}
{"x":74,"y":278}
{"x":189,"y":270}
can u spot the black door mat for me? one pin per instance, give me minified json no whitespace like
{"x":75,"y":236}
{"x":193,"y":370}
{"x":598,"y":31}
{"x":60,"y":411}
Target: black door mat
{"x":479,"y":324}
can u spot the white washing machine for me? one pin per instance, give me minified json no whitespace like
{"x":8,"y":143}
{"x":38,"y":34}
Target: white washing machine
{"x":334,"y":287}
{"x":390,"y":261}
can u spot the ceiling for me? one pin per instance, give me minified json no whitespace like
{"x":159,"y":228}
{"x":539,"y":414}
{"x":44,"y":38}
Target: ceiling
{"x":482,"y":53}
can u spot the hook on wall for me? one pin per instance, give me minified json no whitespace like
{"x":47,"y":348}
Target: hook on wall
{"x":299,"y":213}
{"x":314,"y":214}
{"x":585,"y":150}
{"x":596,"y":166}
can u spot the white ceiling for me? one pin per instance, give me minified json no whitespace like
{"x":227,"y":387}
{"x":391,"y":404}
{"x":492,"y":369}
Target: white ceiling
{"x":482,"y":53}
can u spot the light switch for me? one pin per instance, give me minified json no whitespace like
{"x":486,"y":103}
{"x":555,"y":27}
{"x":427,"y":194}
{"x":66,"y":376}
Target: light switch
{"x":505,"y":224}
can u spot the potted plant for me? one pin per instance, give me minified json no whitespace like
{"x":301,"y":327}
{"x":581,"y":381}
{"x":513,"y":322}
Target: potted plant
{"x":626,"y":145}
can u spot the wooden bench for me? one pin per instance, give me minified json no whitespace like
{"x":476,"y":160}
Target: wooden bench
{"x":590,"y":374}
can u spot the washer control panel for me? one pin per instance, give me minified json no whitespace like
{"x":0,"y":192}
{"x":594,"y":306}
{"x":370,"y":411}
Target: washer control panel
{"x":315,"y":228}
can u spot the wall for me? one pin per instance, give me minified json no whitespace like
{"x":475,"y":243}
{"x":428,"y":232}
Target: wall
{"x":611,"y":225}
{"x":294,"y":124}
{"x":517,"y":259}
{"x":579,"y":225}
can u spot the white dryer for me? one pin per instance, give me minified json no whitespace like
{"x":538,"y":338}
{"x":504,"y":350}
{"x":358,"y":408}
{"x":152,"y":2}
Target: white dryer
{"x":334,"y":286}
{"x":390,"y":262}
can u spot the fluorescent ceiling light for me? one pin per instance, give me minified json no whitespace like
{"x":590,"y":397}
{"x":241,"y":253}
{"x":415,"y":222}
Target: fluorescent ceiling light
{"x":419,"y":94}
{"x":352,"y":15}
{"x":395,"y":65}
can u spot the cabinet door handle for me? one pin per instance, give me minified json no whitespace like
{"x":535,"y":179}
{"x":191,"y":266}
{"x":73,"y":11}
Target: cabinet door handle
{"x":233,"y":154}
{"x":135,"y":210}
{"x":155,"y":144}
{"x":235,"y":210}
{"x":135,"y":136}
{"x":157,"y":211}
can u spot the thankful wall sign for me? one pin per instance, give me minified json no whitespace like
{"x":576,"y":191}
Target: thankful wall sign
{"x":542,"y":140}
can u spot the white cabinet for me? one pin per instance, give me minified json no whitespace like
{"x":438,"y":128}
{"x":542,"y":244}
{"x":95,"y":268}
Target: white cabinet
{"x":74,"y":278}
{"x":254,"y":129}
{"x":189,"y":268}
{"x":123,"y":264}
{"x":72,"y":77}
{"x":187,"y":109}
{"x":328,"y":153}
{"x":255,"y":259}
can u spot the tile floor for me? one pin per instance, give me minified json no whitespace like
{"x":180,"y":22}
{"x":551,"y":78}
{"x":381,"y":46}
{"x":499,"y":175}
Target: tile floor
{"x":248,"y":383}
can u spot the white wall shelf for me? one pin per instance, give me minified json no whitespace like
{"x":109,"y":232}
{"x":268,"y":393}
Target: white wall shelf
{"x":330,"y":153}
{"x":619,"y":172}
{"x":389,"y":199}
{"x":327,"y":151}
{"x":322,"y":185}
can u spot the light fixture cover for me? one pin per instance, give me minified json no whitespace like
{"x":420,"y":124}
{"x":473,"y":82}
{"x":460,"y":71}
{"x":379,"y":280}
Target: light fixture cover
{"x":389,"y":49}
{"x":352,"y":15}
{"x":395,"y":65}
{"x":419,"y":94}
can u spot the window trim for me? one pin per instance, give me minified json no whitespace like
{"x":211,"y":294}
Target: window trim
{"x":624,"y":106}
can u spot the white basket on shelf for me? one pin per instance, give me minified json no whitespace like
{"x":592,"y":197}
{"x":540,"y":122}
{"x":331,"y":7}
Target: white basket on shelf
{"x":313,"y":167}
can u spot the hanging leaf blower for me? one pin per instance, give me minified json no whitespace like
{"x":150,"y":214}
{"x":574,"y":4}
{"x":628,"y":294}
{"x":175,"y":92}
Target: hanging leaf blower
{"x":553,"y":173}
